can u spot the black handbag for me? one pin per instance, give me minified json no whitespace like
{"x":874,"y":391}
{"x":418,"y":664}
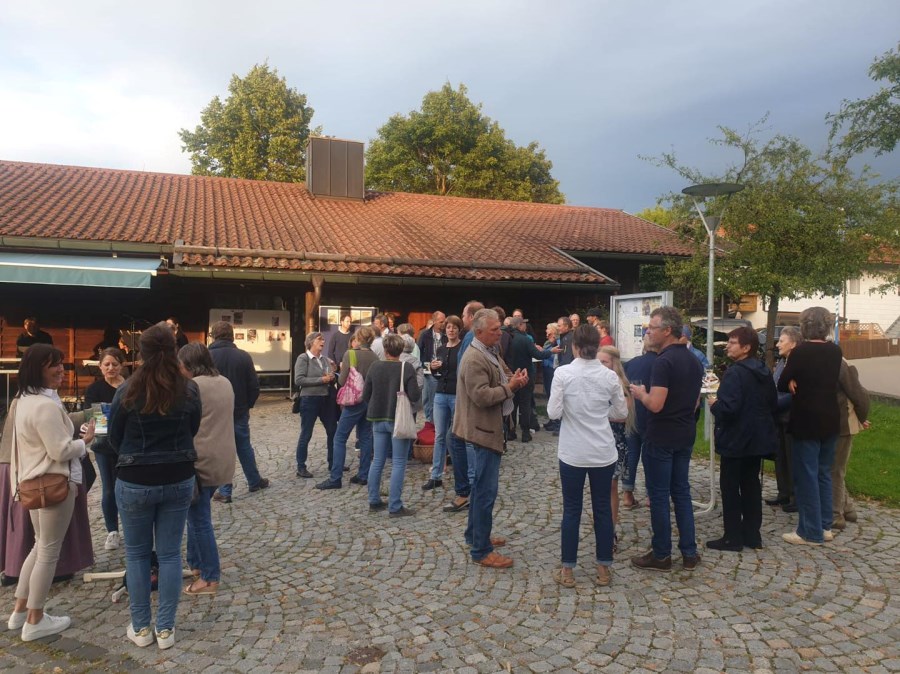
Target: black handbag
{"x":88,"y":472}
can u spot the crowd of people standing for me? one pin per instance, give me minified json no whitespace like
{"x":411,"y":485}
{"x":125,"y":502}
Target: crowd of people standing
{"x":179,"y":424}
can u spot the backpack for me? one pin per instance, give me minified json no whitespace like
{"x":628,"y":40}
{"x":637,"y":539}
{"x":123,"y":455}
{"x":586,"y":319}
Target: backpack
{"x":351,"y":393}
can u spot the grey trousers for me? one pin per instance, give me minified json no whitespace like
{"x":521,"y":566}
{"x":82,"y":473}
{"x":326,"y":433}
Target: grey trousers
{"x":840,"y":499}
{"x":50,"y":526}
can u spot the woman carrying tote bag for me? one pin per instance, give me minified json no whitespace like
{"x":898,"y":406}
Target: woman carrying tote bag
{"x":43,"y":446}
{"x":383,"y":382}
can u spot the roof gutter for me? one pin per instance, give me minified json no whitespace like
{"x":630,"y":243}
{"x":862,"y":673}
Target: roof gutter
{"x":292,"y":276}
{"x":40,"y":243}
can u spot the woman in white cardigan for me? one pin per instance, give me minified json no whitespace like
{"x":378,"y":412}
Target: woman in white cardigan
{"x":43,"y":444}
{"x":216,"y":453}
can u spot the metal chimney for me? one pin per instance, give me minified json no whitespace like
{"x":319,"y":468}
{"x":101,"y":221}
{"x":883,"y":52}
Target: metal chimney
{"x":334,"y":168}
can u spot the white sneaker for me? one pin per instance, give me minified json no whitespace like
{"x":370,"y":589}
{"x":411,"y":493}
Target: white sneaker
{"x":828,"y":534}
{"x":49,"y":625}
{"x":165,"y":639}
{"x":16,"y":620}
{"x":141,"y":638}
{"x":112,"y":540}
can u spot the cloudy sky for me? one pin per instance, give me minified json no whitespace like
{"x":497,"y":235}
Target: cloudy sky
{"x":596,"y":82}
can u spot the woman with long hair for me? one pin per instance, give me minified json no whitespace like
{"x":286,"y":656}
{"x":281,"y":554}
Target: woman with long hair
{"x":216,"y":453}
{"x":154,"y":417}
{"x":112,"y":360}
{"x":42,"y":444}
{"x":609,"y":356}
{"x":584,"y":395}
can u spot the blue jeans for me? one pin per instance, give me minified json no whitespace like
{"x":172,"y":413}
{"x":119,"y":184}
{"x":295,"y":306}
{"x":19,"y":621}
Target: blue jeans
{"x":481,"y":502}
{"x":202,"y":551}
{"x":245,"y":455}
{"x":812,"y":461}
{"x":386,"y":442}
{"x":351,"y":416}
{"x":572,"y":480}
{"x":106,"y":466}
{"x":547,"y":371}
{"x":461,"y":483}
{"x":666,"y":471}
{"x":428,"y":393}
{"x":153,"y":516}
{"x":444,"y":407}
{"x":634,"y":440}
{"x":312,"y":408}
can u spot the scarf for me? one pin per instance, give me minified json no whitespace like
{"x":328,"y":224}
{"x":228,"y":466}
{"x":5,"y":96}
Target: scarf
{"x":492,"y":354}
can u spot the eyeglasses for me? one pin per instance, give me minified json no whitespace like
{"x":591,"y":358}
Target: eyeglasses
{"x":655,"y":327}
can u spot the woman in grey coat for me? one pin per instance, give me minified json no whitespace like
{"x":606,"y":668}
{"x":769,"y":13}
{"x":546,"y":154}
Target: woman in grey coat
{"x":314,"y":378}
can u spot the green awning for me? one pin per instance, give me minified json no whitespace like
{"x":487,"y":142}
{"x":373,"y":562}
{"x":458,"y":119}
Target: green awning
{"x":77,"y":270}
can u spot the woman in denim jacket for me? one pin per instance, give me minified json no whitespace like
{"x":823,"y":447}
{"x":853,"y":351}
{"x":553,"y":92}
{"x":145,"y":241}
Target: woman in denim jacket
{"x":154,"y":417}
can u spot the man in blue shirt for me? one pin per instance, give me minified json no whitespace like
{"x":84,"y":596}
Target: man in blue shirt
{"x":669,"y":441}
{"x":686,"y":334}
{"x":637,"y":370}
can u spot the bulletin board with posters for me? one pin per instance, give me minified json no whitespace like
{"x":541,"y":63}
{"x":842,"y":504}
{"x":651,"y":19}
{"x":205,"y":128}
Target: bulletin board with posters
{"x":265,"y":335}
{"x":629,"y":317}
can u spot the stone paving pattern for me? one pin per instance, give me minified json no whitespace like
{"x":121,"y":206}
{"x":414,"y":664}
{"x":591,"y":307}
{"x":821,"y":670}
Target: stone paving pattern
{"x":313,"y":582}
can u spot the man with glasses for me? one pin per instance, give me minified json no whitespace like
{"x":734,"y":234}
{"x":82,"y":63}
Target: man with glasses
{"x":669,"y":440}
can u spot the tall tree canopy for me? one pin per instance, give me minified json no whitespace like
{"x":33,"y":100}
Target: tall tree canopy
{"x":873,"y":123}
{"x":450,"y":147}
{"x":803,"y":225}
{"x":260,"y":131}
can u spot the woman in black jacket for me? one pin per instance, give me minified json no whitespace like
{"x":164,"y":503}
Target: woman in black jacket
{"x":745,"y":432}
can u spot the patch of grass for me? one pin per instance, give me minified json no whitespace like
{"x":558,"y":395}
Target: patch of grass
{"x":874,"y":461}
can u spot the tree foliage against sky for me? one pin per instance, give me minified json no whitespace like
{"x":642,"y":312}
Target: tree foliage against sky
{"x":451,"y":147}
{"x":259,"y":132}
{"x":872,"y":123}
{"x":803,"y":225}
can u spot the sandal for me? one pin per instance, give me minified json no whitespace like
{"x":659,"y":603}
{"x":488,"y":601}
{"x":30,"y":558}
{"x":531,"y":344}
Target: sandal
{"x":603,"y":577}
{"x":563,"y":578}
{"x":208,"y":589}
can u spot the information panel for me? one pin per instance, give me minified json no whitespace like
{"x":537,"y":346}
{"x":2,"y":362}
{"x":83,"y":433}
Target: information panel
{"x":265,"y":335}
{"x":629,"y":317}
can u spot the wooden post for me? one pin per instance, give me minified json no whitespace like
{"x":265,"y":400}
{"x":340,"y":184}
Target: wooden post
{"x":313,"y":300}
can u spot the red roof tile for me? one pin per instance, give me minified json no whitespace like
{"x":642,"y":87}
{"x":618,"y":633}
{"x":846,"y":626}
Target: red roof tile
{"x":271,"y":225}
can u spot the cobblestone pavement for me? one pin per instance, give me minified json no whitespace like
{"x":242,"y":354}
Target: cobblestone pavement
{"x":313,"y":582}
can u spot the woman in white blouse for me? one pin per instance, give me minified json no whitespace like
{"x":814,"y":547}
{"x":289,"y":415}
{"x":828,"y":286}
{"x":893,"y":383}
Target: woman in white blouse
{"x":43,"y":444}
{"x":585,"y":395}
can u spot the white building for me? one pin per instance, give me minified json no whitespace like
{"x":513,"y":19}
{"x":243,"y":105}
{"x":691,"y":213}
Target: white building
{"x":858,"y":304}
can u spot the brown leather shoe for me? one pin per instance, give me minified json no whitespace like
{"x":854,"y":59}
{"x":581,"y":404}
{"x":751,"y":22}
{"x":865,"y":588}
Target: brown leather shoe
{"x":498,"y":541}
{"x":457,"y":504}
{"x":495,"y":561}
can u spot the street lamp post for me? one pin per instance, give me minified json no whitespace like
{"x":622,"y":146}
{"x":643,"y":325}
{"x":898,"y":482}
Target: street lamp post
{"x":698,"y":193}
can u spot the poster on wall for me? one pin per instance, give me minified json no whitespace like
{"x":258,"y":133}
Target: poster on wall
{"x":629,"y":317}
{"x":265,"y":335}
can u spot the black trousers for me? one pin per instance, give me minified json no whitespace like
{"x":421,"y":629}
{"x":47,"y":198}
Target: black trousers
{"x":741,"y":499}
{"x":522,"y":406}
{"x":783,"y":465}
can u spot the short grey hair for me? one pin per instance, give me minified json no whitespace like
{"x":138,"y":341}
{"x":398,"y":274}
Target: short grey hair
{"x":393,"y":345}
{"x":669,"y":317}
{"x":310,"y":338}
{"x":409,"y":344}
{"x":815,"y":323}
{"x":220,"y":330}
{"x":793,"y":333}
{"x":482,"y":316}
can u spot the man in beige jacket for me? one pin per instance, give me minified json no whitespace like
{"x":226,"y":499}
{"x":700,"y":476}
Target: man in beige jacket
{"x":485,"y":389}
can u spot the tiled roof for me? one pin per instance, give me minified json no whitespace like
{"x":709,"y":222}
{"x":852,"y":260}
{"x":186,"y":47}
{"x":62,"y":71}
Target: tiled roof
{"x":269,"y":225}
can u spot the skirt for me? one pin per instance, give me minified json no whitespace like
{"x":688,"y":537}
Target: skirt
{"x":618,"y":430}
{"x":17,"y":534}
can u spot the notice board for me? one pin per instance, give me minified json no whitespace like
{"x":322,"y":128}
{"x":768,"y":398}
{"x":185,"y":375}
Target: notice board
{"x":265,"y":335}
{"x":630,"y":315}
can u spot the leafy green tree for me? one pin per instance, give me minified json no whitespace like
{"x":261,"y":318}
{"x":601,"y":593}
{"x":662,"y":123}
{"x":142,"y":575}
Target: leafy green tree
{"x":259,"y":132}
{"x":450,"y":147}
{"x":873,"y":122}
{"x":802,"y":226}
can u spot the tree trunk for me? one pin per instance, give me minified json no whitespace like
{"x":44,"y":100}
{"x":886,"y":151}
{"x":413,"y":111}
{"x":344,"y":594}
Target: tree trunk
{"x":771,"y":319}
